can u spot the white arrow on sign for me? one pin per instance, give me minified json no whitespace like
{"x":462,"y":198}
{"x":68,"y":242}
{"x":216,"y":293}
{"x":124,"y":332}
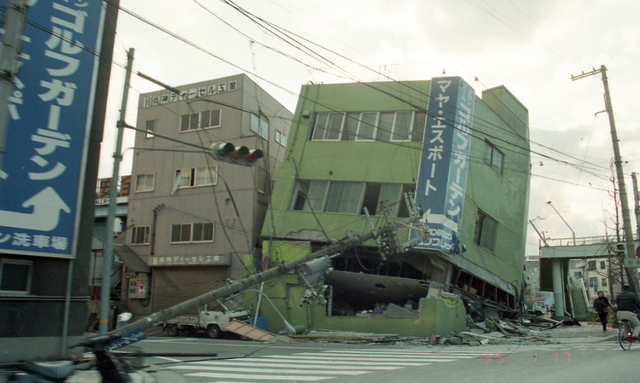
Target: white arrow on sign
{"x":45,"y":216}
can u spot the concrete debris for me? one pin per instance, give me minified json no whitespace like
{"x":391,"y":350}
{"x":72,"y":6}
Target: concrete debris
{"x":395,"y":311}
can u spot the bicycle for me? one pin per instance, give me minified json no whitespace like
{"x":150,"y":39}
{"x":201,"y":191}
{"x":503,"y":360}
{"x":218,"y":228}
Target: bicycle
{"x":625,"y":334}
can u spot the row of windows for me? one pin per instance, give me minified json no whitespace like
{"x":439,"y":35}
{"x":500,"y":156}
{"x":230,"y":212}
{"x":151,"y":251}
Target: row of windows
{"x":384,"y":126}
{"x":591,"y":265}
{"x":180,"y":233}
{"x":191,"y":122}
{"x":351,"y":197}
{"x":213,"y":119}
{"x":593,"y":281}
{"x":354,"y":197}
{"x":369,"y":126}
{"x":184,"y":178}
{"x":201,"y":120}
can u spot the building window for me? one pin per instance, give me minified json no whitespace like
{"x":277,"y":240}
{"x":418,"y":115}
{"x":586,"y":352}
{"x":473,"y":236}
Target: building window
{"x":203,"y":232}
{"x":328,"y":127}
{"x":493,"y":157}
{"x":603,"y":264}
{"x":210,"y":118}
{"x":192,"y":177}
{"x":281,"y":138}
{"x":591,"y":265}
{"x":15,"y":276}
{"x":402,"y":124}
{"x":309,"y":195}
{"x":344,"y":197}
{"x":577,"y":274}
{"x":188,"y":122}
{"x":145,"y":182}
{"x":604,"y":282}
{"x":377,"y":194}
{"x":192,"y":232}
{"x":181,"y":233}
{"x":150,"y":127}
{"x":203,"y":120}
{"x":593,"y":282}
{"x":140,"y":235}
{"x":367,"y":126}
{"x":485,"y":232}
{"x":263,"y":183}
{"x":260,"y":126}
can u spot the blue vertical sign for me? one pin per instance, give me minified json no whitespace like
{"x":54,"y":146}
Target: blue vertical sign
{"x":442,"y":177}
{"x":50,"y":111}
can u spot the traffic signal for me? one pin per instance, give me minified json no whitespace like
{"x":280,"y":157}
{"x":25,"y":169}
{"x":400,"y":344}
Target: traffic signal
{"x":620,"y":249}
{"x":239,"y":155}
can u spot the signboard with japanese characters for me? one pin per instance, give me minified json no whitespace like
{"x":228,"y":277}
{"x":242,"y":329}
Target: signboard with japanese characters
{"x":50,"y":111}
{"x":190,"y":94}
{"x":442,"y":176}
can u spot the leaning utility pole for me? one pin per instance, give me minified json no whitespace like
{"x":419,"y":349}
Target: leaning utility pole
{"x":105,"y":291}
{"x":626,"y":220}
{"x":255,"y":279}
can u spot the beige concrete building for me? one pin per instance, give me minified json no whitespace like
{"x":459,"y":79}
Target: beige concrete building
{"x":192,"y":220}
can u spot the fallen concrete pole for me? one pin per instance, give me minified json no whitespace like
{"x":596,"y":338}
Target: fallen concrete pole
{"x":238,"y":286}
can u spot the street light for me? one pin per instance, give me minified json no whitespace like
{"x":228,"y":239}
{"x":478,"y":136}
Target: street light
{"x":565,"y":222}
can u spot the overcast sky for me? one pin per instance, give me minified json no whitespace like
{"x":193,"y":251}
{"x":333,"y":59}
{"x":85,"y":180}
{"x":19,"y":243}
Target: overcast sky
{"x":531,"y":47}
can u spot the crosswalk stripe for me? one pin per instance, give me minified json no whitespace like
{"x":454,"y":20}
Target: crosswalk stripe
{"x":413,"y":351}
{"x":352,"y":362}
{"x":292,"y":364}
{"x":269,"y":370}
{"x":367,"y":359}
{"x":388,"y":357}
{"x":294,"y":378}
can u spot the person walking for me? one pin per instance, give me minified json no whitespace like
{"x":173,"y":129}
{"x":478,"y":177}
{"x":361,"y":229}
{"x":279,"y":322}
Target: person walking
{"x":628,"y":304}
{"x":601,"y":305}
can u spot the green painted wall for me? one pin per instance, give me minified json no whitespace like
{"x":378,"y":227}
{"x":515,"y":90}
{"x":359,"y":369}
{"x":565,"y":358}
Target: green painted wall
{"x":498,"y":118}
{"x":437,"y":316}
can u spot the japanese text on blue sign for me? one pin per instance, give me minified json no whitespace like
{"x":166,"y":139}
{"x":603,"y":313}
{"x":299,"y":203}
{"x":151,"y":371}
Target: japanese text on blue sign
{"x":442,"y":177}
{"x":50,"y":111}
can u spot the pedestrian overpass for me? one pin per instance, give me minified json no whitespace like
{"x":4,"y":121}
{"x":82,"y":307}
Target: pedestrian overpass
{"x":554,"y":262}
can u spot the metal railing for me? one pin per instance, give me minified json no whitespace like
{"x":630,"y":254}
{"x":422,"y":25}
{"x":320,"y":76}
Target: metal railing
{"x":582,"y":241}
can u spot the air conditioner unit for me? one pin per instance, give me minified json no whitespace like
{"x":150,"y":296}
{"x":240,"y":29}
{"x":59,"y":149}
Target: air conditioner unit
{"x":117,"y":226}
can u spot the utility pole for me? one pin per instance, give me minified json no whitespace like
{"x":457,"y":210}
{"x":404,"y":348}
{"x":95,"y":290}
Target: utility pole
{"x":105,"y":291}
{"x":255,"y":279}
{"x":626,"y":220}
{"x":15,"y":15}
{"x":636,"y":203}
{"x":539,"y":235}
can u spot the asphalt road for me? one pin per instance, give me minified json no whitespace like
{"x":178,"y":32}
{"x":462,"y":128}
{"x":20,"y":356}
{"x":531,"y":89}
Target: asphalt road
{"x":244,"y":361}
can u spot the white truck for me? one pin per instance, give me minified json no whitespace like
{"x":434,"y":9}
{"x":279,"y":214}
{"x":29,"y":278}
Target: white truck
{"x":212,"y":322}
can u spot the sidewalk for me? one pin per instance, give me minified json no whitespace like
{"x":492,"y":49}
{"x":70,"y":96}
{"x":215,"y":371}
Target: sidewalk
{"x":587,"y":333}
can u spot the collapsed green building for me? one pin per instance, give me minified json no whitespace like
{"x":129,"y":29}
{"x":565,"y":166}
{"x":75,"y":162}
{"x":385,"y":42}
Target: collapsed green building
{"x":370,"y":150}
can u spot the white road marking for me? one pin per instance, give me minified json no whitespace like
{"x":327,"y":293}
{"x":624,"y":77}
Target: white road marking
{"x":295,"y":378}
{"x":285,"y":363}
{"x":416,"y":362}
{"x":398,"y":356}
{"x":269,"y":370}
